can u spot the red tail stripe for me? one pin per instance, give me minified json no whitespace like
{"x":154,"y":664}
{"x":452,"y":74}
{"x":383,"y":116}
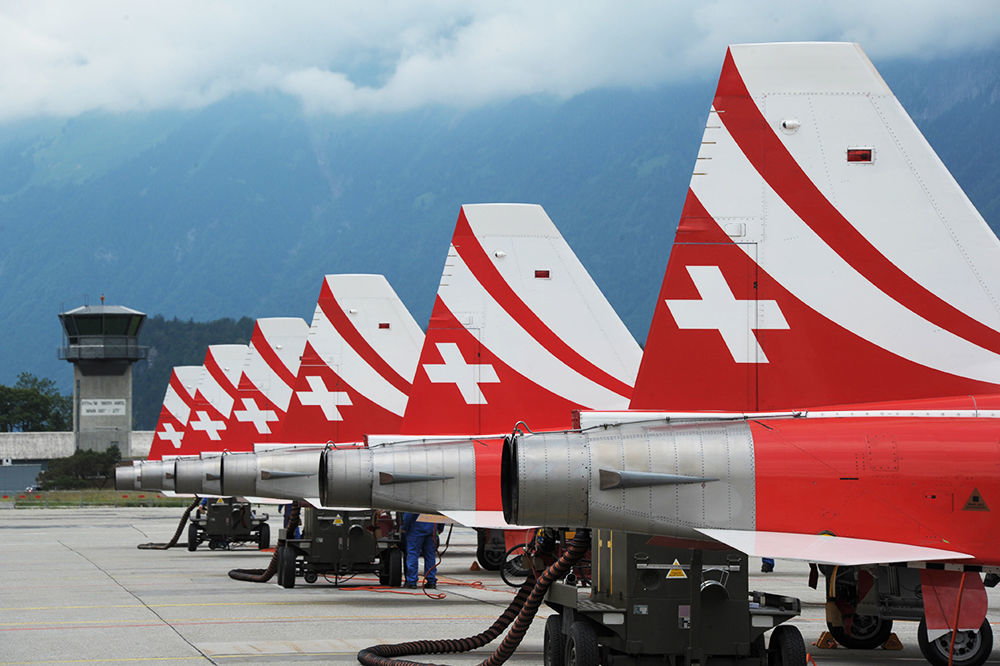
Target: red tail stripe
{"x":475,"y":257}
{"x":260,"y":343}
{"x":212,"y":365}
{"x":179,"y":387}
{"x":762,"y":147}
{"x":353,"y":337}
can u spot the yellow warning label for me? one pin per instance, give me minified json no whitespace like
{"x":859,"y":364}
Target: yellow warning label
{"x":338,"y":520}
{"x":676,"y":570}
{"x":976,"y":502}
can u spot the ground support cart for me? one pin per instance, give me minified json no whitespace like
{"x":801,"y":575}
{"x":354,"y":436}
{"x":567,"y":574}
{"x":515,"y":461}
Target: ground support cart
{"x":227,"y":522}
{"x":343,"y":543}
{"x":656,"y":604}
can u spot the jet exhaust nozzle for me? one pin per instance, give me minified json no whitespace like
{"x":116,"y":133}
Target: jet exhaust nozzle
{"x":199,"y":476}
{"x":291,"y":473}
{"x":126,"y":477}
{"x":419,"y":476}
{"x":635,"y":477}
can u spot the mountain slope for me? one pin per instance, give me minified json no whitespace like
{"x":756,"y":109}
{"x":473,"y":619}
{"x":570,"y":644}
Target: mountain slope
{"x":238,"y":209}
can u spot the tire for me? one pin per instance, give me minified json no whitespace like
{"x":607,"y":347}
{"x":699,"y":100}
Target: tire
{"x":581,"y":645}
{"x":786,"y":647}
{"x":264,"y":537}
{"x":867,"y":632}
{"x":192,"y":537}
{"x":490,"y":559}
{"x":554,"y":650}
{"x":310,"y":577}
{"x":383,"y":567}
{"x":972,"y":648}
{"x":395,"y":568}
{"x":514,"y":572}
{"x":286,"y":566}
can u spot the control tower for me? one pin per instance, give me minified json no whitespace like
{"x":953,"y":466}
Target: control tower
{"x":102,"y":343}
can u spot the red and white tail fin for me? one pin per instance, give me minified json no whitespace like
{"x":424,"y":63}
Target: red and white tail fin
{"x":266,"y":382}
{"x":209,"y":424}
{"x":519,"y":332}
{"x":824,"y":255}
{"x":357,"y":366}
{"x":176,"y":410}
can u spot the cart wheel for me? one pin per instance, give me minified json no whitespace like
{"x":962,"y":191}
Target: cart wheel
{"x":310,"y":577}
{"x":786,"y":647}
{"x":488,"y":555}
{"x":972,"y":648}
{"x":514,"y":569}
{"x":216,"y":544}
{"x":395,"y":567}
{"x":192,"y":537}
{"x":264,"y":537}
{"x":390,"y":567}
{"x":554,"y":646}
{"x":867,"y":632}
{"x":581,"y":645}
{"x":286,"y":566}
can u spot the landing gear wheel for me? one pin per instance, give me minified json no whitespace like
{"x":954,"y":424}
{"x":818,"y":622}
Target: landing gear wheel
{"x":192,"y":537}
{"x":515,"y":569}
{"x":554,"y":645}
{"x":867,"y":632}
{"x":581,"y":645}
{"x":310,"y":577}
{"x":390,"y":567}
{"x":972,"y":648}
{"x":264,"y":537}
{"x":489,"y":553}
{"x":286,"y":566}
{"x":786,"y":647}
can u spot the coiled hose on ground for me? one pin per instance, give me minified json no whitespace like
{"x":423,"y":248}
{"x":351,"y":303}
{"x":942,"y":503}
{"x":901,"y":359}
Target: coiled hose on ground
{"x":177,"y":533}
{"x":520,"y":612}
{"x":264,"y":575}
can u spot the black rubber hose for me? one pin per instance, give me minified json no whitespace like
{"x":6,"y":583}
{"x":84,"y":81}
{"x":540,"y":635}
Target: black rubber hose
{"x":177,"y":533}
{"x":264,"y":575}
{"x":518,"y":616}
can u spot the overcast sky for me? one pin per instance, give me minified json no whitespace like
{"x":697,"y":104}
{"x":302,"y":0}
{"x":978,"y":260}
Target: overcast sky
{"x":68,"y":57}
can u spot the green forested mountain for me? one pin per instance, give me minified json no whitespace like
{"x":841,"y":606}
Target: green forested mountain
{"x":173,"y":342}
{"x":239,"y":209}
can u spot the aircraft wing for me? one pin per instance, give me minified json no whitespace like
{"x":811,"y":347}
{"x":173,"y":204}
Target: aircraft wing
{"x":824,"y":549}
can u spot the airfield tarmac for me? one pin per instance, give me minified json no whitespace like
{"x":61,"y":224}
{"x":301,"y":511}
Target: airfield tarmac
{"x":74,"y":590}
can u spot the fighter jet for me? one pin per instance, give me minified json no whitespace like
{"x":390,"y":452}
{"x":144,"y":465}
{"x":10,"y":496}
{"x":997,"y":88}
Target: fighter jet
{"x":355,"y":376}
{"x":831,"y":294}
{"x":519,"y":332}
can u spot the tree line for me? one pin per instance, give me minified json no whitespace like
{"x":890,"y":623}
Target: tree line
{"x":34,"y":404}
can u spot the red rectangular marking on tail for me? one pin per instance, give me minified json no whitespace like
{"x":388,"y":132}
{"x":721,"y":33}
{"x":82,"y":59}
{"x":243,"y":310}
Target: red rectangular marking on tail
{"x":383,"y":325}
{"x":542,"y":274}
{"x":862,"y":155}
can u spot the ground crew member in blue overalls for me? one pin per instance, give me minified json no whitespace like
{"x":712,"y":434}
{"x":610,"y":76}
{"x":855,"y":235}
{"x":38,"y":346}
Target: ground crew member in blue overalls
{"x":421,"y":539}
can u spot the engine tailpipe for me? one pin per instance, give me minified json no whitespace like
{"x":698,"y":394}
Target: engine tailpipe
{"x":283,"y":473}
{"x":199,"y":476}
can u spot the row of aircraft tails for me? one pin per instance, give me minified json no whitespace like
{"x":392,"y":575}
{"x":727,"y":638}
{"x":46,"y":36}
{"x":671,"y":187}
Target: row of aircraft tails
{"x":821,"y":379}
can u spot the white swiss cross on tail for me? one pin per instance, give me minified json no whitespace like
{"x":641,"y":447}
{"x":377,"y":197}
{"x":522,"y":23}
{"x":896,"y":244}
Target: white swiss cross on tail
{"x":206,"y":424}
{"x":320,"y":396}
{"x":467,"y":377}
{"x":719,"y":310}
{"x":171,"y":434}
{"x":252,"y":413}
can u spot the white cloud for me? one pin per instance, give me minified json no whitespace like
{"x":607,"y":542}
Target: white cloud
{"x":64,"y":57}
